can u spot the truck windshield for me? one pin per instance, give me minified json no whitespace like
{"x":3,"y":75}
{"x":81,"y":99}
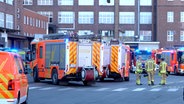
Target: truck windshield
{"x":143,"y":54}
{"x":180,"y":56}
{"x":167,"y":57}
{"x":33,"y":51}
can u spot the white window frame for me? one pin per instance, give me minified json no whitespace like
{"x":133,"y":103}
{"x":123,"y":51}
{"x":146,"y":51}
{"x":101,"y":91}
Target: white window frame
{"x":9,"y":2}
{"x":106,"y":17}
{"x":104,"y":3}
{"x":144,"y":33}
{"x":84,"y":3}
{"x":44,"y":2}
{"x":2,"y":16}
{"x":128,"y":33}
{"x":127,"y":2}
{"x":28,"y":2}
{"x":9,"y":21}
{"x":170,"y":35}
{"x":145,"y":2}
{"x":86,"y":17}
{"x":66,"y":2}
{"x":85,"y":32}
{"x":66,"y":17}
{"x":145,"y":17}
{"x":182,"y":35}
{"x":126,"y":17}
{"x":49,"y":14}
{"x":181,"y":16}
{"x":170,"y":16}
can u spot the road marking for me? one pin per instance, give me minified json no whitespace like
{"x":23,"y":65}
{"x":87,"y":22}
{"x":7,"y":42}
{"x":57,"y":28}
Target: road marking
{"x":31,"y":88}
{"x":139,"y":89}
{"x":155,"y":89}
{"x":181,"y":81}
{"x":155,"y":86}
{"x":101,"y":89}
{"x":120,"y":89}
{"x":172,"y":89}
{"x":170,"y":83}
{"x":64,"y":89}
{"x":48,"y":88}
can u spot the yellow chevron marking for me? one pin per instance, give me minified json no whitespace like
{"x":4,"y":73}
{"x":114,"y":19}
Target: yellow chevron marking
{"x":3,"y":63}
{"x":11,"y":76}
{"x":7,"y":92}
{"x":1,"y":96}
{"x":4,"y":79}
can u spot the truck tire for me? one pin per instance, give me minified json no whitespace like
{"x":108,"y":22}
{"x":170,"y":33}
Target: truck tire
{"x":126,"y":78}
{"x":175,"y":71}
{"x":87,"y":83}
{"x":55,"y":80}
{"x":35,"y":75}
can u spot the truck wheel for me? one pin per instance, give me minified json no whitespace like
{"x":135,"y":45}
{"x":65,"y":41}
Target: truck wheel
{"x":35,"y":75}
{"x":86,"y":83}
{"x":175,"y":72}
{"x":55,"y":80}
{"x":126,"y":78}
{"x":101,"y":79}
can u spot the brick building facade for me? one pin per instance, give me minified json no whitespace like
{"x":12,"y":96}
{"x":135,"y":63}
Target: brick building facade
{"x":15,"y":33}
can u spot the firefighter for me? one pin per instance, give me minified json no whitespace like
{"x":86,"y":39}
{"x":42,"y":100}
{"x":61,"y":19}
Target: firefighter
{"x":138,"y":71}
{"x":150,"y":66}
{"x":163,"y":71}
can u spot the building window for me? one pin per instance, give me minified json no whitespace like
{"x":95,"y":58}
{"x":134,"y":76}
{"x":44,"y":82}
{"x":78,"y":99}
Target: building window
{"x":104,"y":3}
{"x":145,"y":35}
{"x":127,"y":2}
{"x":106,"y":33}
{"x":9,"y":21}
{"x":85,"y":32}
{"x":170,"y":35}
{"x":127,"y":18}
{"x":1,"y":0}
{"x":86,"y":18}
{"x":83,"y":2}
{"x":106,"y":17}
{"x":9,"y":2}
{"x":127,"y":33}
{"x":65,"y":2}
{"x":145,"y":18}
{"x":2,"y":19}
{"x":181,"y":35}
{"x":170,"y":16}
{"x":31,"y":21}
{"x":145,"y":2}
{"x":27,"y":20}
{"x":66,"y":17}
{"x":36,"y":22}
{"x":28,"y":2}
{"x":182,"y":16}
{"x":49,"y":14}
{"x":24,"y":19}
{"x":45,"y":2}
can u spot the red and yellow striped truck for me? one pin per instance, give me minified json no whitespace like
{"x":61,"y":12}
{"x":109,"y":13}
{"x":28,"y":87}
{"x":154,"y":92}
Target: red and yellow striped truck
{"x":62,"y":60}
{"x":112,"y":60}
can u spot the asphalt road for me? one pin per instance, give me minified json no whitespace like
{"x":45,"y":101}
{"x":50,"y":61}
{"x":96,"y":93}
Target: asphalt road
{"x":109,"y":92}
